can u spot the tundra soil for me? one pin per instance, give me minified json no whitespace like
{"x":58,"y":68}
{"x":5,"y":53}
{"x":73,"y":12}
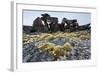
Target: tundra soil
{"x":57,"y":46}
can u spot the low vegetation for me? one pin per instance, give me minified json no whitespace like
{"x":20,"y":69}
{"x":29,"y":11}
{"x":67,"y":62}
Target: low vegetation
{"x":45,"y":41}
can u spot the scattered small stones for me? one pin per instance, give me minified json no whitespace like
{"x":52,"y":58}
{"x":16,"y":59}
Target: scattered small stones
{"x":34,"y":54}
{"x":81,"y":49}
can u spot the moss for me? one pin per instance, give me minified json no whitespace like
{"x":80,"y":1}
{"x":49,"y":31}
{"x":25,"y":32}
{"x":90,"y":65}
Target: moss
{"x":47,"y":46}
{"x":43,"y":41}
{"x":67,"y":47}
{"x":71,"y":35}
{"x":61,"y":50}
{"x":58,"y":51}
{"x":75,"y":38}
{"x":85,"y":37}
{"x":45,"y":36}
{"x":50,"y":37}
{"x":83,"y":33}
{"x":59,"y":35}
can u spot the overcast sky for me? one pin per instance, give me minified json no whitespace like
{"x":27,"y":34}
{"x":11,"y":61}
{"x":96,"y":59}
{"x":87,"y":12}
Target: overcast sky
{"x":29,"y":16}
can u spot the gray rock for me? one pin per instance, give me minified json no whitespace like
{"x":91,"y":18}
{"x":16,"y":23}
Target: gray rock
{"x":34,"y":54}
{"x":60,"y":41}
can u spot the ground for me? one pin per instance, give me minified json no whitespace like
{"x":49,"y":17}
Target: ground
{"x":57,"y":46}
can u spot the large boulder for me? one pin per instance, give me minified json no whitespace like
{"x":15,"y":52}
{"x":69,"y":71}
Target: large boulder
{"x":51,"y":22}
{"x":84,"y":27}
{"x":39,"y":25}
{"x":70,"y":25}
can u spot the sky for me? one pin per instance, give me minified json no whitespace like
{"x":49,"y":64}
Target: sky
{"x":30,"y":15}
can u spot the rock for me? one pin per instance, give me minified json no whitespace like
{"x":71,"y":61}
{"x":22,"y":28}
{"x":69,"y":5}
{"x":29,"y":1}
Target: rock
{"x":80,"y":52}
{"x":34,"y":54}
{"x":59,"y":41}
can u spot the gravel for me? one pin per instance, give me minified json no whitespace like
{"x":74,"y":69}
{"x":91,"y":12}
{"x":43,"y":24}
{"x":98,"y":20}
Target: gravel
{"x":34,"y":54}
{"x":81,"y":50}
